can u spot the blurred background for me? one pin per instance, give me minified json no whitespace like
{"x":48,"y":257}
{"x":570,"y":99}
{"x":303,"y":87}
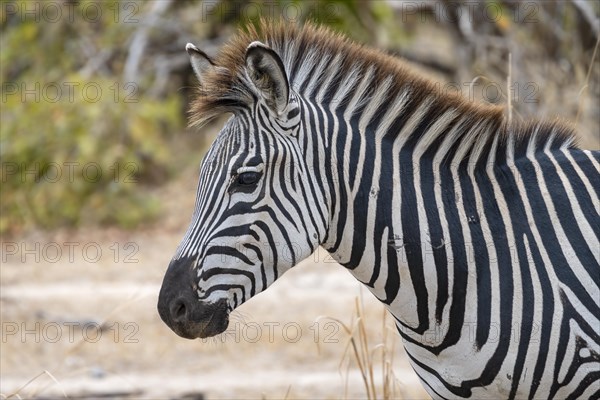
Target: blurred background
{"x":98,"y":177}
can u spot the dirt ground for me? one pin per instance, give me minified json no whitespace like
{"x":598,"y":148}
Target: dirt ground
{"x":78,"y":314}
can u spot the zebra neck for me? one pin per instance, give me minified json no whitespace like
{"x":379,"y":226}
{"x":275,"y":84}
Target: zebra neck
{"x":385,"y":164}
{"x":372,"y":146}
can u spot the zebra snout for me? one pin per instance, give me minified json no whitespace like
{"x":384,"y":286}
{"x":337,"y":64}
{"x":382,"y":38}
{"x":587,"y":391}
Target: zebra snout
{"x":181,"y":309}
{"x":197,"y":319}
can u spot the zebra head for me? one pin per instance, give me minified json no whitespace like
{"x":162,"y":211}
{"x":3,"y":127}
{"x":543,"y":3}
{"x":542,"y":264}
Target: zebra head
{"x":253,"y":197}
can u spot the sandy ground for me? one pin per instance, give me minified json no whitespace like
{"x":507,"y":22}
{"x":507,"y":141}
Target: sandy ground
{"x":82,"y":306}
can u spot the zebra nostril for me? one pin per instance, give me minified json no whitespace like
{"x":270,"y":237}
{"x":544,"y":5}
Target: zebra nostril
{"x":178,"y":310}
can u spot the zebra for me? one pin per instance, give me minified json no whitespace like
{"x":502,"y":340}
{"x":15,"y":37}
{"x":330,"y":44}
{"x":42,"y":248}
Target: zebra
{"x":480,"y":235}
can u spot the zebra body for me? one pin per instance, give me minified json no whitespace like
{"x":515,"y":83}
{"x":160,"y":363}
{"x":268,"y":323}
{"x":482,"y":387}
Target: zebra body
{"x":480,"y":237}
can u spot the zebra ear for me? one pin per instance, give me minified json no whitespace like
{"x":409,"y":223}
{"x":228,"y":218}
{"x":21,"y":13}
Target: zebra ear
{"x":201,"y":63}
{"x":266,"y":71}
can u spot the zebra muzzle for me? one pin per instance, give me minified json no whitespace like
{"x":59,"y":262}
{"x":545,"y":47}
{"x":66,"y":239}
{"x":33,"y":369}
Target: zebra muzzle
{"x":182,"y":311}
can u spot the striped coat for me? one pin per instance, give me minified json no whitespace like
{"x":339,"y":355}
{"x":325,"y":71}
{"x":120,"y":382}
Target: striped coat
{"x":480,"y":236}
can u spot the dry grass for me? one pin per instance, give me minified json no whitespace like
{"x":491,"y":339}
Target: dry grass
{"x":374,"y":357}
{"x":17,"y":394}
{"x":584,"y":90}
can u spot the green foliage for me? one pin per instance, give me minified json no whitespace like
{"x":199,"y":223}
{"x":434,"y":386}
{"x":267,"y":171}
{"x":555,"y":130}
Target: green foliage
{"x":73,"y":161}
{"x":76,"y":148}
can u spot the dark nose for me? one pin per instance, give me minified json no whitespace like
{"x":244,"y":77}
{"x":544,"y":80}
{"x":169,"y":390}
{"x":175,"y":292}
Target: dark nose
{"x":181,"y":309}
{"x":177,"y":298}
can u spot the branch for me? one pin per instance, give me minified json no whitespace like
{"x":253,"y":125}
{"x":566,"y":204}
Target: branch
{"x":588,"y":14}
{"x":140,"y":40}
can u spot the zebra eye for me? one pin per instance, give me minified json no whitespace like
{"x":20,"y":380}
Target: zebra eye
{"x":248,"y":178}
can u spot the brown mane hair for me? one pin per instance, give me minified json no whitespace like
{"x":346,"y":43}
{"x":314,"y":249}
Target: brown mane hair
{"x":226,"y":89}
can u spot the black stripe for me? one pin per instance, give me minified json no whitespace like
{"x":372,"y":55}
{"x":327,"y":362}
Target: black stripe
{"x":477,"y":248}
{"x":436,"y":234}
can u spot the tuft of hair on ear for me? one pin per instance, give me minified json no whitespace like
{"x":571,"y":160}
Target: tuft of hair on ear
{"x":219,"y":91}
{"x":267,"y":72}
{"x":201,"y":63}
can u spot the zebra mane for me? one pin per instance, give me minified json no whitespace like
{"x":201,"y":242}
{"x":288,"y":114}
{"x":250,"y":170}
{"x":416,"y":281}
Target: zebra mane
{"x":309,"y":49}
